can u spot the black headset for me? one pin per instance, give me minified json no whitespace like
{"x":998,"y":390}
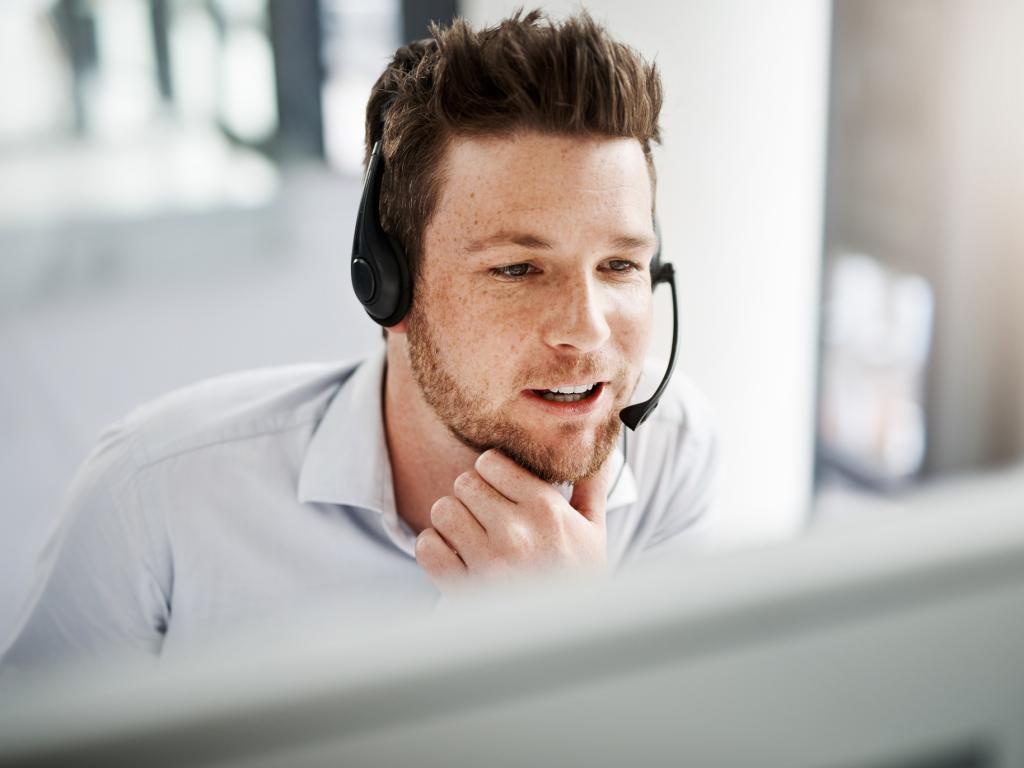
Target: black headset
{"x":380,"y":268}
{"x":383,"y":285}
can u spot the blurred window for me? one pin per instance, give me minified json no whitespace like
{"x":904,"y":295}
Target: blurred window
{"x":119,"y":108}
{"x":877,"y":335}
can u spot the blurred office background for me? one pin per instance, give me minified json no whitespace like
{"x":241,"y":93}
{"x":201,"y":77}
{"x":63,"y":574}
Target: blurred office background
{"x":840,"y":189}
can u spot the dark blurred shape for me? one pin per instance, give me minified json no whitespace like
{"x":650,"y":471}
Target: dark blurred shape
{"x":158,"y":14}
{"x":970,"y":756}
{"x":295,"y":36}
{"x":417,"y":15}
{"x":77,"y":31}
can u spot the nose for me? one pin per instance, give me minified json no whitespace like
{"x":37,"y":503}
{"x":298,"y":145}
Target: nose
{"x":576,"y":316}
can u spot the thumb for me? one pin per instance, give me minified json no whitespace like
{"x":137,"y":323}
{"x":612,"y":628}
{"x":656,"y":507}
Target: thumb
{"x":590,"y":494}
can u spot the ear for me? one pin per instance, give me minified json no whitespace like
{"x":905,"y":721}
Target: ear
{"x":400,"y":327}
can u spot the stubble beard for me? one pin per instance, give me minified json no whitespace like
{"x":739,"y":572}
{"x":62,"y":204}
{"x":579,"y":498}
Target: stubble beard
{"x":479,"y":426}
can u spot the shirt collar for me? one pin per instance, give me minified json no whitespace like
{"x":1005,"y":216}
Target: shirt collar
{"x":622,"y":482}
{"x":347,"y":461}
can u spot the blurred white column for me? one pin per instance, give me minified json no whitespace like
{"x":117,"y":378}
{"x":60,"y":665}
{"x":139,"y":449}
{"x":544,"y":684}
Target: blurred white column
{"x":741,"y":180}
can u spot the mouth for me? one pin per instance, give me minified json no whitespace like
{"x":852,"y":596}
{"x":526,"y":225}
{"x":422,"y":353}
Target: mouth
{"x":569,"y":401}
{"x":570,"y":393}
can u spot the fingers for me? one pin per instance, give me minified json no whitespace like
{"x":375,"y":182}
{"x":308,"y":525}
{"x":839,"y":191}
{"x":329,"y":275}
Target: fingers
{"x":487,"y":505}
{"x":508,"y":478}
{"x":517,"y":484}
{"x":458,"y":527}
{"x":504,"y":519}
{"x":590,"y":495}
{"x":438,"y":559}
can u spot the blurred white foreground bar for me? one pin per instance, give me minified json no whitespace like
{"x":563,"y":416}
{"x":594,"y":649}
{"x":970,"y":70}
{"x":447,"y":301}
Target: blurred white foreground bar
{"x":900,"y":643}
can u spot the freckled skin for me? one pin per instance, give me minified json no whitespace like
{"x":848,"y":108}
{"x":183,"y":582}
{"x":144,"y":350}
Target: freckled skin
{"x":497,"y":336}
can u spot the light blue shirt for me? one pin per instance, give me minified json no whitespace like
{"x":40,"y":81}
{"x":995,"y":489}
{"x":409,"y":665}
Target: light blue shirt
{"x":244,"y":495}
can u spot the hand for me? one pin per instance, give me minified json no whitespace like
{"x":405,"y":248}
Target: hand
{"x":503,"y":521}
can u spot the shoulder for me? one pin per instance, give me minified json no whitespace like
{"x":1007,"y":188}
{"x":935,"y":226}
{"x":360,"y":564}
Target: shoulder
{"x":106,"y":575}
{"x":683,"y":425}
{"x":227,"y":408}
{"x":674,"y":458}
{"x":186,"y":428}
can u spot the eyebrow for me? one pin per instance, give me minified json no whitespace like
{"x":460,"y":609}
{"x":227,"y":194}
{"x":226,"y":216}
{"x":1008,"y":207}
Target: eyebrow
{"x":536,"y":243}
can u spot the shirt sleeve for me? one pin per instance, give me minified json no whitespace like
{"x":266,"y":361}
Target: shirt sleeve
{"x":103,"y":581}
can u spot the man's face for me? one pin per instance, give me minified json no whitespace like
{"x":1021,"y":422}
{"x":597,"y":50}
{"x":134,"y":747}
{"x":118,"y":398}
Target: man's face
{"x":535,"y":276}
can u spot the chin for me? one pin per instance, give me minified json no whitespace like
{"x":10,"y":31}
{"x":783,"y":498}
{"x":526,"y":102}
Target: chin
{"x":570,"y":455}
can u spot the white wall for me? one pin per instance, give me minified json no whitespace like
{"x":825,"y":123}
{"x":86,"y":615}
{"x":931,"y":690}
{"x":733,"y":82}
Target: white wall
{"x":741,"y":195}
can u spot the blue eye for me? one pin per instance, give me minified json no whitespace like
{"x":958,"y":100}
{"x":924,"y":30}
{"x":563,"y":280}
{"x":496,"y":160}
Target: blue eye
{"x":511,"y":271}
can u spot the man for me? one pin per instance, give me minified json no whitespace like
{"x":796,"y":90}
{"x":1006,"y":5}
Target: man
{"x":481,"y":445}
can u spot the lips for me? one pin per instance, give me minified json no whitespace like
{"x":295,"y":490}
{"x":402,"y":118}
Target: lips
{"x":567,"y":404}
{"x":567,"y":394}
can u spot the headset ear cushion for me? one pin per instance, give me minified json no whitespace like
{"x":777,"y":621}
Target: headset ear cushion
{"x":656,"y":271}
{"x":656,"y":264}
{"x":380,"y":269}
{"x":395,"y":284}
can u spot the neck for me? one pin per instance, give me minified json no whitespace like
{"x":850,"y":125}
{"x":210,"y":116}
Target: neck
{"x":425,"y":457}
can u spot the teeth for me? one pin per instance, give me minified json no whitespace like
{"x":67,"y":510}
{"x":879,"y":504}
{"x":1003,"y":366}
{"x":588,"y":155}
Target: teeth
{"x":567,"y":394}
{"x":572,"y":390}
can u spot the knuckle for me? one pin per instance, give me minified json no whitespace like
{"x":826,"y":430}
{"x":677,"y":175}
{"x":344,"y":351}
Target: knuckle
{"x":425,"y":545}
{"x":488,"y":463}
{"x":518,"y":538}
{"x":432,"y":553}
{"x":550,"y":505}
{"x":483,"y":459}
{"x":442,"y":512}
{"x":544,"y":512}
{"x":465,"y":481}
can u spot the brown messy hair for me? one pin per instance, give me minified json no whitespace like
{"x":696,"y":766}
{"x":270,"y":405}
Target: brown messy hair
{"x":568,"y":78}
